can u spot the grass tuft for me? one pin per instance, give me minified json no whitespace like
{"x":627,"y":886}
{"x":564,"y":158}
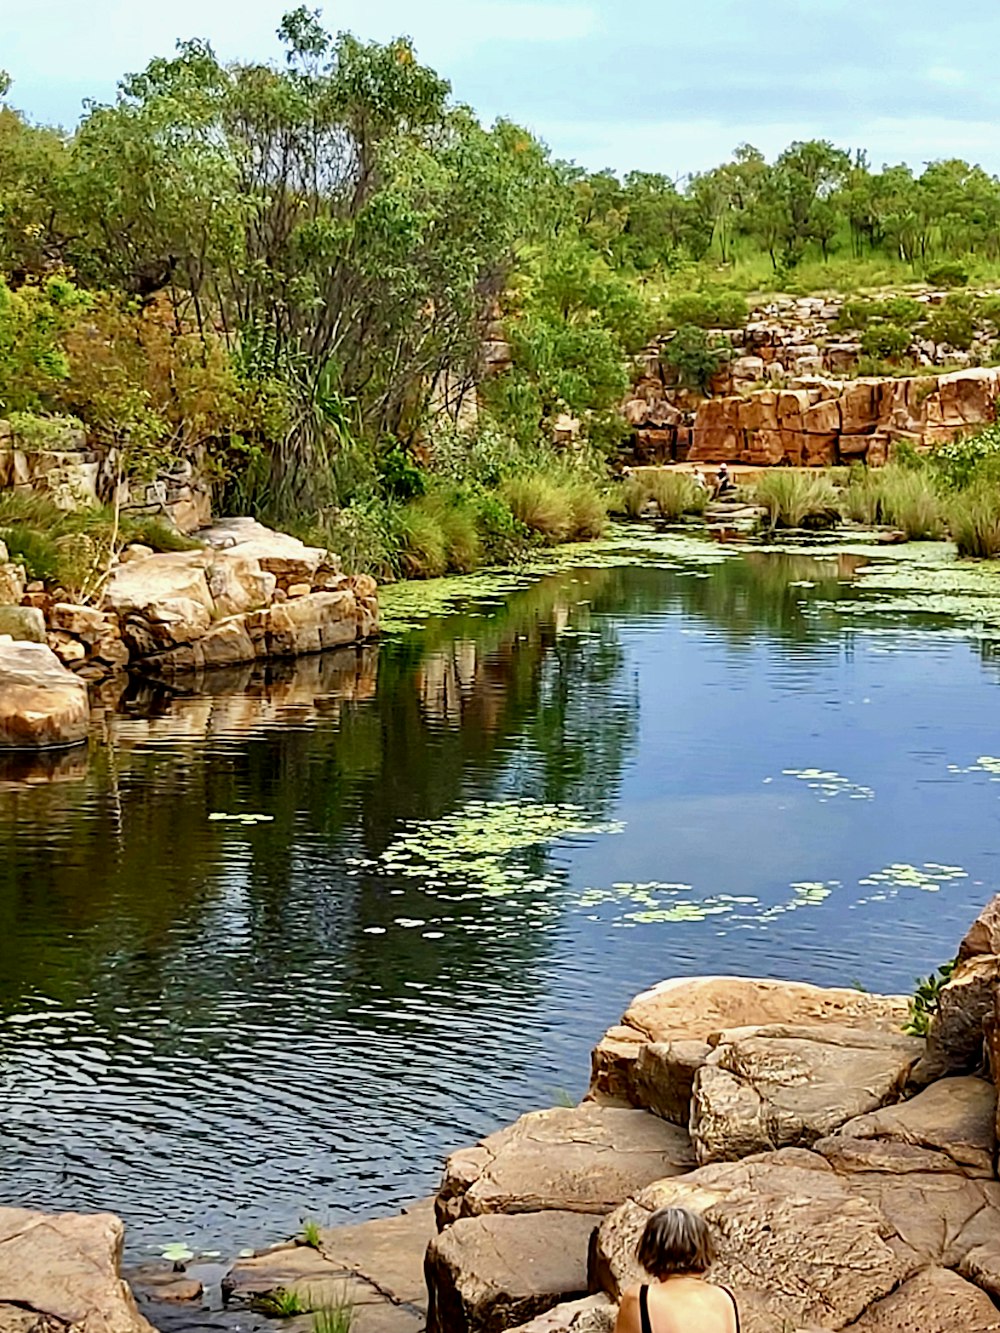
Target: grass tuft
{"x":797,"y":499}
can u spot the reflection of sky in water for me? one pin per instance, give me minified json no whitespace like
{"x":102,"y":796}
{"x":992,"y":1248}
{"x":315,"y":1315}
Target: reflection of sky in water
{"x":273,"y":961}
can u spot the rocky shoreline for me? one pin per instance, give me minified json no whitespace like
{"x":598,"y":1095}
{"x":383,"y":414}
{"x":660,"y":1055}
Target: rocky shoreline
{"x":848,"y":1169}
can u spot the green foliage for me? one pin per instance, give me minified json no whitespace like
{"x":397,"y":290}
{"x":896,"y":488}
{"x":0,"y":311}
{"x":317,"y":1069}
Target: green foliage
{"x":424,"y":545}
{"x":797,"y":499}
{"x":676,"y":493}
{"x":926,"y":1000}
{"x":961,"y":462}
{"x":708,"y":310}
{"x":695,"y":357}
{"x":951,"y":273}
{"x":280,"y":1304}
{"x":541,"y":505}
{"x":34,"y":432}
{"x":954,"y":321}
{"x":910,"y":501}
{"x":33,"y":323}
{"x":974,"y":520}
{"x":334,"y":1318}
{"x":312,"y":1236}
{"x":887,"y":341}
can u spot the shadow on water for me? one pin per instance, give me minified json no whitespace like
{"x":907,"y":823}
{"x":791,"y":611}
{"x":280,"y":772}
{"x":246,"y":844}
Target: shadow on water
{"x":282,"y":936}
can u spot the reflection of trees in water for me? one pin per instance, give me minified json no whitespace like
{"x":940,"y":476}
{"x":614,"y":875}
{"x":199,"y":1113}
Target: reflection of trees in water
{"x":120,"y":885}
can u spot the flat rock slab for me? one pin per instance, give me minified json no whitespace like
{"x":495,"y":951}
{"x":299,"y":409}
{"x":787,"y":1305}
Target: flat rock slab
{"x":42,"y":705}
{"x":787,"y":1086}
{"x":489,"y":1274}
{"x":64,"y":1267}
{"x":299,"y":1269}
{"x":934,"y":1301}
{"x":798,"y":1247}
{"x":585,"y":1159}
{"x":956,"y":1117}
{"x":388,"y":1253}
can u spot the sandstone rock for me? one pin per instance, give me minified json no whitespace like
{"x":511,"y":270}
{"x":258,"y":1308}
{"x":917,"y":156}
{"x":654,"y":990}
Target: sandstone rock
{"x":777,"y":1086}
{"x":159,"y":1282}
{"x":664,"y":1076}
{"x":12,"y":581}
{"x":41,"y":703}
{"x":23,"y":623}
{"x":69,"y":651}
{"x":982,"y":1266}
{"x":585,"y":1159}
{"x":277,"y":553}
{"x":487,"y":1274}
{"x":594,"y":1315}
{"x":934,"y":1301}
{"x":956,"y":1117}
{"x":984,"y":934}
{"x":957,"y":1032}
{"x":859,"y":408}
{"x":794,"y":1243}
{"x":170,"y":592}
{"x":388,"y":1252}
{"x":939,"y":1216}
{"x":83,"y":622}
{"x":695,"y":1008}
{"x":301,"y":1270}
{"x":613,"y":1063}
{"x":238,"y":583}
{"x":63,"y":1268}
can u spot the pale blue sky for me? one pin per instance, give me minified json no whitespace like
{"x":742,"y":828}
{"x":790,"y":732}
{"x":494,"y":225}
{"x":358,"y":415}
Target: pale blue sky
{"x":672,"y":86}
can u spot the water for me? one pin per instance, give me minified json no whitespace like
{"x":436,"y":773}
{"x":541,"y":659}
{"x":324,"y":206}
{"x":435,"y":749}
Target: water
{"x":481,"y":839}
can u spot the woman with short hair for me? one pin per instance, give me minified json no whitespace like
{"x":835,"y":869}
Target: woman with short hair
{"x":676,"y":1250}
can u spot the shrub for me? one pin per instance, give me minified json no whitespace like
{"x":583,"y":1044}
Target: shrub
{"x":541,"y":504}
{"x":676,"y":493}
{"x":885,"y":340}
{"x":861,"y":501}
{"x":633,"y":496}
{"x":989,"y":308}
{"x":949,"y":273}
{"x":588,"y":507}
{"x":910,"y":502}
{"x":708,"y":310}
{"x":503,"y":537}
{"x":457,"y":521}
{"x":797,"y":499}
{"x":424,"y":549}
{"x":954,"y":322}
{"x":695,"y":357}
{"x":959,"y":462}
{"x":902,"y":310}
{"x":974,"y":521}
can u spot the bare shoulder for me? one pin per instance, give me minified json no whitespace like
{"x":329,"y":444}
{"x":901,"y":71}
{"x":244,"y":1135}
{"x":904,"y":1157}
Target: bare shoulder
{"x":628,"y":1320}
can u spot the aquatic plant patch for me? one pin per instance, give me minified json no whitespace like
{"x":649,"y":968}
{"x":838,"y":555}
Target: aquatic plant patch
{"x":220,"y":817}
{"x":829,"y":784}
{"x":927,"y":878}
{"x":984,"y":764}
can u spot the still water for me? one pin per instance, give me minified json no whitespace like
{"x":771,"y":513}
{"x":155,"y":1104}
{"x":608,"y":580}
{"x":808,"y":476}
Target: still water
{"x":267,"y":952}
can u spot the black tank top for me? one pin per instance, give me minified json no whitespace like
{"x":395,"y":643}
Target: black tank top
{"x":647,"y":1327}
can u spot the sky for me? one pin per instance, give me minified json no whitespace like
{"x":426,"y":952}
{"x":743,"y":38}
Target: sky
{"x":670,"y":87}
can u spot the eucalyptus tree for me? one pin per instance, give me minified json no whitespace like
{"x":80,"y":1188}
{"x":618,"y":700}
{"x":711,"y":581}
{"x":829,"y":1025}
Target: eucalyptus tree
{"x":338,"y":218}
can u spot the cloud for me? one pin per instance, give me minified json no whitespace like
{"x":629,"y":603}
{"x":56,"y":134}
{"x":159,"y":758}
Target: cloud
{"x":948,"y":76}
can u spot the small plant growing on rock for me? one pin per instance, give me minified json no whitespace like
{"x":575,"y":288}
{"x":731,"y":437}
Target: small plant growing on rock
{"x":695,"y":357}
{"x":280,"y":1304}
{"x":311,"y":1235}
{"x":337,"y":1318}
{"x":926,"y":1000}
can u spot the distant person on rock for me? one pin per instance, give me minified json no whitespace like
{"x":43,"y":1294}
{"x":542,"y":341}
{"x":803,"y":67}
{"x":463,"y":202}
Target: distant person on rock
{"x":676,"y":1251}
{"x":723,"y":481}
{"x":699,"y":479}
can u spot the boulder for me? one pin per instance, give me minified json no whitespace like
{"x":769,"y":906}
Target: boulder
{"x":594,"y":1315}
{"x":984,"y":934}
{"x":664,"y":1077}
{"x":795,"y":1244}
{"x":955,"y":1117}
{"x":306,"y":1273}
{"x":694,"y":1009}
{"x":934,"y":1301}
{"x":584,"y":1159}
{"x":859,"y":408}
{"x":63,"y":1270}
{"x":26,"y":624}
{"x":982,"y":1266}
{"x":777,"y":1086}
{"x":277,"y":553}
{"x":491,"y":1273}
{"x":42,"y":704}
{"x":955,"y":1042}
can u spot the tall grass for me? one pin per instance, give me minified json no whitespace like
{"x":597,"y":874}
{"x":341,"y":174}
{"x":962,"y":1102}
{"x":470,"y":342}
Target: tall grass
{"x":911,"y":502}
{"x":677,"y":493}
{"x":974,"y":522}
{"x":424,"y":551}
{"x":541,"y":505}
{"x":797,"y":499}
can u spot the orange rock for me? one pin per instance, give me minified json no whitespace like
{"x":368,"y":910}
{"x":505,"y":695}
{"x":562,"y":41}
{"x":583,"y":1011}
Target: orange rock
{"x":760,"y":411}
{"x":823,"y":418}
{"x":792,"y":405}
{"x":819,"y":450}
{"x":859,"y":407}
{"x":765,"y":447}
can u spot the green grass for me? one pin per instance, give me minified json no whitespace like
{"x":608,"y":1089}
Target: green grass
{"x":911,"y":502}
{"x":676,"y":493}
{"x":797,"y":499}
{"x":974,"y":522}
{"x":542,"y":505}
{"x":280,"y":1304}
{"x":334,"y":1318}
{"x":311,"y":1234}
{"x":424,"y":546}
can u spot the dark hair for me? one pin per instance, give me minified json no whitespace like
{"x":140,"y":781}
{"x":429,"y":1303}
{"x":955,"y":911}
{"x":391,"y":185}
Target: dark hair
{"x":675,"y":1241}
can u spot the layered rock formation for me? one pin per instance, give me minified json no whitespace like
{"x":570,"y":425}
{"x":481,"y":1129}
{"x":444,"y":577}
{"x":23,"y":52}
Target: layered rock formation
{"x":850,"y":1185}
{"x":60,"y":1273}
{"x":42,"y":705}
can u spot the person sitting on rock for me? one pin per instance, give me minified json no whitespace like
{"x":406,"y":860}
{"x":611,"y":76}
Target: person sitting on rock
{"x":676,"y":1250}
{"x":723,"y":481}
